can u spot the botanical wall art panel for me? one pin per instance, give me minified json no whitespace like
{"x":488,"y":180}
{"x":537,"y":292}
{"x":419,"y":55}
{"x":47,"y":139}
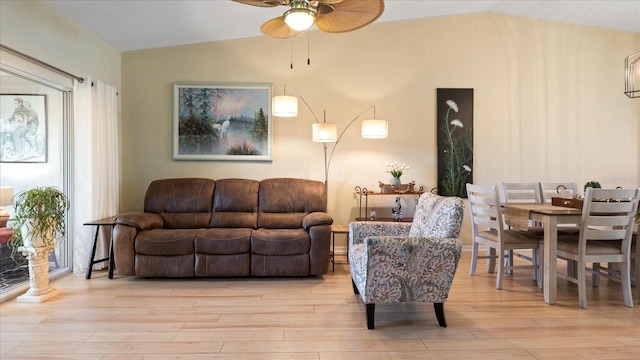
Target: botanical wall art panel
{"x":23,"y":128}
{"x":455,"y":141}
{"x":222,"y":122}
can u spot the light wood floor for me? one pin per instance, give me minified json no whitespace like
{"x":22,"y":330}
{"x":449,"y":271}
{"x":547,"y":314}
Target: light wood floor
{"x":320,"y":318}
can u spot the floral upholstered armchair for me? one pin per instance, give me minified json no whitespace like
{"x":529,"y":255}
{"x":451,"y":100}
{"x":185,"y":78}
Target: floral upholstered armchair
{"x":396,"y":262}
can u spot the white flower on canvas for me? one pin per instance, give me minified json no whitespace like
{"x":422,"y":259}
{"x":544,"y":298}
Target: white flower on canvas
{"x":457,"y":122}
{"x":452,"y":105}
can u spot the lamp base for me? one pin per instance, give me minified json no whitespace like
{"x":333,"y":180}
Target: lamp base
{"x":3,"y":220}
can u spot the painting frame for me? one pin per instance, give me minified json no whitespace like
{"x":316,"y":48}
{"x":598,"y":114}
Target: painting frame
{"x":454,"y":140}
{"x":222,"y":121}
{"x":23,"y":128}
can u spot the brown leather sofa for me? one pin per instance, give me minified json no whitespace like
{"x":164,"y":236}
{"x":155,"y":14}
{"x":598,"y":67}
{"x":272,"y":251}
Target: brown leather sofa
{"x":194,"y":227}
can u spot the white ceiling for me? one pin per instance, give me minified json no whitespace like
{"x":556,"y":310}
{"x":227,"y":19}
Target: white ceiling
{"x":143,"y":24}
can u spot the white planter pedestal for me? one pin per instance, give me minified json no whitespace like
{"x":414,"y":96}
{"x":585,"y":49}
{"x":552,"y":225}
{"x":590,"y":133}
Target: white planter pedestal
{"x":40,"y":290}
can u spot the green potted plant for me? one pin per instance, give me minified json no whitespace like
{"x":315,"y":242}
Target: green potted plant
{"x":39,"y":218}
{"x":39,"y":225}
{"x":593,"y":184}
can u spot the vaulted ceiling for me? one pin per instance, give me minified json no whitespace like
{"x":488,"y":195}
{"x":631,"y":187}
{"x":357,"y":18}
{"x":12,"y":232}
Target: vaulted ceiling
{"x":143,"y":24}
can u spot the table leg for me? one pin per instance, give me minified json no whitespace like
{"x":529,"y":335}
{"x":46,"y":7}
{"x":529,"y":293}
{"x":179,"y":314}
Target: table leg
{"x":93,"y":254}
{"x":111,"y":265}
{"x":333,"y":252}
{"x":347,"y":238}
{"x":550,"y":280}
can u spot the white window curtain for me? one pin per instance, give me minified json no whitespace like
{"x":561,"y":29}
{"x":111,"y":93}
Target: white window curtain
{"x":96,"y":168}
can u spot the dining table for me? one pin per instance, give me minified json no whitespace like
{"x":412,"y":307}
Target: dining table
{"x":550,"y":216}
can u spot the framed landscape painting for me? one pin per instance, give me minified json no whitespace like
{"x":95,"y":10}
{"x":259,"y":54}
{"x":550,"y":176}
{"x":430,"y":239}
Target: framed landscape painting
{"x":23,"y":128}
{"x":222,"y":121}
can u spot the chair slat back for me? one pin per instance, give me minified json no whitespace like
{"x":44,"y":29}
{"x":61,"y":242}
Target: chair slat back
{"x":608,"y":215}
{"x":484,"y":206}
{"x":551,"y":189}
{"x":520,"y":192}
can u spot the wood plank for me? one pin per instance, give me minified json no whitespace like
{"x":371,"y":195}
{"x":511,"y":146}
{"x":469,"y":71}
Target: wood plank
{"x":318,"y":318}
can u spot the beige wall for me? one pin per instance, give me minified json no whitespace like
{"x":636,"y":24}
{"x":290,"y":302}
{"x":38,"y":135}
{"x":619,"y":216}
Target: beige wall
{"x":548,"y":98}
{"x":35,"y":28}
{"x":549,"y":103}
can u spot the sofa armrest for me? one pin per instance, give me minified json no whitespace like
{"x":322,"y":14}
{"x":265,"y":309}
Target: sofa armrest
{"x":318,"y":224}
{"x":141,"y":220}
{"x":422,"y":268}
{"x":360,"y":230}
{"x":316,"y":218}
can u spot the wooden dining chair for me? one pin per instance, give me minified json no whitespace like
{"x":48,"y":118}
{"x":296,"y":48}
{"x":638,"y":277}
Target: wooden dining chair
{"x":549,"y":190}
{"x":614,"y":271}
{"x":605,"y":234}
{"x":553,"y":189}
{"x":529,"y":193}
{"x":635,"y":259}
{"x":487,"y":228}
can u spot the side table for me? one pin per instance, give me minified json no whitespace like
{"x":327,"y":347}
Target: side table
{"x":108,"y":221}
{"x":338,"y":229}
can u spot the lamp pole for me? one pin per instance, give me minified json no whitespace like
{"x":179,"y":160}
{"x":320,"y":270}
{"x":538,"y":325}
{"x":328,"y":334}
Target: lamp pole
{"x":328,"y":163}
{"x":324,"y":143}
{"x":331,"y":129}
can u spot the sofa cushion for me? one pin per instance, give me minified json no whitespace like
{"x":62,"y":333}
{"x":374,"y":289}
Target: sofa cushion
{"x":223,"y":265}
{"x":289,"y":265}
{"x":186,"y":220}
{"x":165,"y":266}
{"x":235,"y":204}
{"x":280,"y":242}
{"x":223,"y":241}
{"x":165,"y":242}
{"x":284,"y":202}
{"x":183,"y":203}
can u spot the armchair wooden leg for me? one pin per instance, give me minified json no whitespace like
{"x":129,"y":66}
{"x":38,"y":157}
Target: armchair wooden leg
{"x":371,"y":313}
{"x":355,"y":288}
{"x":439,"y":308}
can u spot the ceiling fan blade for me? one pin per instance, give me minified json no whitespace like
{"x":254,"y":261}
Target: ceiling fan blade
{"x":260,"y":3}
{"x":277,"y":28}
{"x":350,"y":15}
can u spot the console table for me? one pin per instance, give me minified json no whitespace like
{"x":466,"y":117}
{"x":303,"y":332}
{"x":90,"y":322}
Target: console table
{"x":363,"y":211}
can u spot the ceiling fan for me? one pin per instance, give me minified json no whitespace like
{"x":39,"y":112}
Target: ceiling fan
{"x":332,"y":16}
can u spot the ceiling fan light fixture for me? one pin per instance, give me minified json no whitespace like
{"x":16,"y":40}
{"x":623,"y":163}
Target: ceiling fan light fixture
{"x":299,"y":19}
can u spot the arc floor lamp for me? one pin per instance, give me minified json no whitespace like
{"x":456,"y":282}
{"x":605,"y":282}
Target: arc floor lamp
{"x":327,"y":132}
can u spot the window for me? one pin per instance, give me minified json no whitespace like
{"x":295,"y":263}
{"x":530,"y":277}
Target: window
{"x":38,"y":157}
